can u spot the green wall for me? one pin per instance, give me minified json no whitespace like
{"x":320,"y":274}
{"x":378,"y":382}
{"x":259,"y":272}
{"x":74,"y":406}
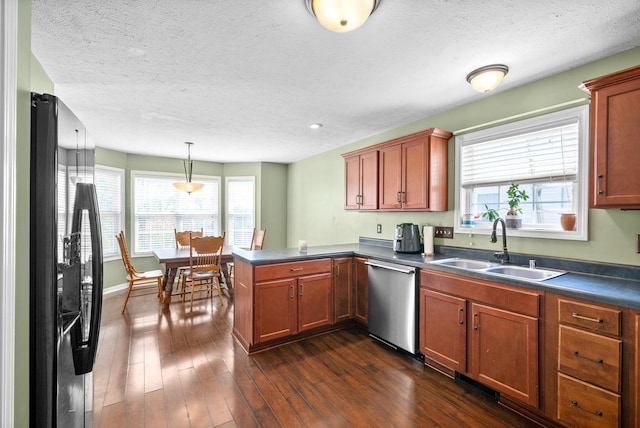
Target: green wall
{"x":318,"y":182}
{"x":270,"y":197}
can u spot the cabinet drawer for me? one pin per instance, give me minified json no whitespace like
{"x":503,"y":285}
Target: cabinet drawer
{"x":590,"y":357}
{"x":291,"y":269}
{"x":591,"y":317}
{"x":583,"y":405}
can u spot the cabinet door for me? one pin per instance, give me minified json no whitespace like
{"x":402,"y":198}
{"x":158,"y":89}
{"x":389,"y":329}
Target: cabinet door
{"x":443,"y":329}
{"x":390,"y":177}
{"x":342,"y":289}
{"x":369,"y":181}
{"x":615,"y":154}
{"x":315,"y":301}
{"x":415,"y":177}
{"x":275,"y":309}
{"x":504,"y":352}
{"x":361,"y":289}
{"x":352,"y":183}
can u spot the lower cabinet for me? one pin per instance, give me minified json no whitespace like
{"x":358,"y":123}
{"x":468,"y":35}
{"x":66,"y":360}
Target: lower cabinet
{"x":484,"y":330}
{"x":343,"y":289}
{"x":361,"y":290}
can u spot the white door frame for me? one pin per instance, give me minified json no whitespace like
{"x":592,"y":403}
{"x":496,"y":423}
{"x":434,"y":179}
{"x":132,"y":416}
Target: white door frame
{"x":8,"y":95}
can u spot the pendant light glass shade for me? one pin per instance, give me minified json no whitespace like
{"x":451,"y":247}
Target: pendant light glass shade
{"x":188,"y":186}
{"x":342,"y":15}
{"x":487,"y":78}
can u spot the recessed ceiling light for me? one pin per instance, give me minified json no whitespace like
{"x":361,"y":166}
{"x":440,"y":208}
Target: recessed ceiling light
{"x":315,"y":126}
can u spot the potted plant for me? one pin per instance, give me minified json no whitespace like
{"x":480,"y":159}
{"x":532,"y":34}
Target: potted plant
{"x":490,"y":213}
{"x":514,"y":197}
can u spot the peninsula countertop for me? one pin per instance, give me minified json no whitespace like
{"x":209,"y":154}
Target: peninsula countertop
{"x":611,"y":284}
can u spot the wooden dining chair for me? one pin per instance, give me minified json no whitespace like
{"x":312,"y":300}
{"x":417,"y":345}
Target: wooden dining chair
{"x":183,"y":240}
{"x":257,"y":241}
{"x":204,"y":266}
{"x":139,"y":282}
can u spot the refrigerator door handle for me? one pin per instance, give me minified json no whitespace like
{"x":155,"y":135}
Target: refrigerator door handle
{"x":84,"y":352}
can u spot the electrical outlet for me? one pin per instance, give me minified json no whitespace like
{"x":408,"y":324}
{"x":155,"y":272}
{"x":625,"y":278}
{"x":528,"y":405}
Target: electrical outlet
{"x":443,"y":232}
{"x":379,"y":228}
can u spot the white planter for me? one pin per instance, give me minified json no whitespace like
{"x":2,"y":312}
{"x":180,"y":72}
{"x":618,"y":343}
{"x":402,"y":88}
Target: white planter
{"x":513,"y":221}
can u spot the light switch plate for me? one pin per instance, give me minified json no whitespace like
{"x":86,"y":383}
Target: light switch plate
{"x":443,"y":232}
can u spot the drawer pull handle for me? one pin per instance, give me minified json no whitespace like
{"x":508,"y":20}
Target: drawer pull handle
{"x":582,"y":317}
{"x":298,"y":269}
{"x":576,"y":405}
{"x":596,"y":360}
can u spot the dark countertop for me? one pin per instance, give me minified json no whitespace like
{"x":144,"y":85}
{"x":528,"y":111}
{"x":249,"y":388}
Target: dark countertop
{"x":614,"y":284}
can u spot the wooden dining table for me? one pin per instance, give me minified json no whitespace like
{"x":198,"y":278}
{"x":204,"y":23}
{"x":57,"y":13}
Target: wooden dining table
{"x":174,"y":258}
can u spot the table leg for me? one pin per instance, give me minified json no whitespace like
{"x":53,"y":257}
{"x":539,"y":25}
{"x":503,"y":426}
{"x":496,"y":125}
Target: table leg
{"x":169,"y":278}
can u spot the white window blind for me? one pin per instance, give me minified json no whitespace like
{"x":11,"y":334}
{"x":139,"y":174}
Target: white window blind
{"x":240,"y":207}
{"x":110,"y":190}
{"x":550,"y":154}
{"x":159,"y":208}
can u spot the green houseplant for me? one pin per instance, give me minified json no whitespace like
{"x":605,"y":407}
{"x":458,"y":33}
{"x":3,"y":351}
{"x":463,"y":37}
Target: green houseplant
{"x":514,"y":197}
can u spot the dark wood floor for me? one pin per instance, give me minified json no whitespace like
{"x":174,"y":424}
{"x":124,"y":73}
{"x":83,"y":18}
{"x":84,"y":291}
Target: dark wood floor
{"x":171,"y":368}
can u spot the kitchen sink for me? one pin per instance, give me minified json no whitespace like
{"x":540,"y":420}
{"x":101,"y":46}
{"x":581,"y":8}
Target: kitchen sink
{"x":508,"y":271}
{"x":465,"y":263}
{"x":523,"y":272}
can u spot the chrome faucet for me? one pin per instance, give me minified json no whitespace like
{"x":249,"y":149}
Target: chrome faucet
{"x":504,"y":255}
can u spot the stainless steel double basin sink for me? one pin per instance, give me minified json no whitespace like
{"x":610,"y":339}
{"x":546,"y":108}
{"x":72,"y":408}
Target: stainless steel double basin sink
{"x":507,"y":271}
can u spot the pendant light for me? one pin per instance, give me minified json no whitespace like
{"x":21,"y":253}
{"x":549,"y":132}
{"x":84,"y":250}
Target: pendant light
{"x":487,"y":78}
{"x":342,"y":15}
{"x":188,"y":186}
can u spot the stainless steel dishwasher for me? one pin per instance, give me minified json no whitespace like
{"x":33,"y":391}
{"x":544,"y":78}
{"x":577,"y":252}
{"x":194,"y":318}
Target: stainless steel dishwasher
{"x":392,"y":304}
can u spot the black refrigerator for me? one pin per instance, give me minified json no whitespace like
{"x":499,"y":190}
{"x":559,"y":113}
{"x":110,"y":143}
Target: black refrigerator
{"x":65,"y":267}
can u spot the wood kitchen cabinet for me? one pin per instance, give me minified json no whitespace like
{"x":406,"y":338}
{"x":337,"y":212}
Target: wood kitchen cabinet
{"x":361,"y":181}
{"x":410,"y":173}
{"x":614,"y":129}
{"x":279,"y":301}
{"x":487,"y":331}
{"x":413,"y":172}
{"x":361,"y":290}
{"x":343,"y":289}
{"x":443,"y":329}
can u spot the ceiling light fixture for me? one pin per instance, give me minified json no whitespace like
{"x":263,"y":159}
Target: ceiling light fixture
{"x":342,"y":15}
{"x":315,"y":126}
{"x":188,"y":186}
{"x":487,"y":78}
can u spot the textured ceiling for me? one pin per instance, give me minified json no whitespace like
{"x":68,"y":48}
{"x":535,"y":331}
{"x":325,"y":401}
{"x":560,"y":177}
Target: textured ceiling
{"x":244,"y":79}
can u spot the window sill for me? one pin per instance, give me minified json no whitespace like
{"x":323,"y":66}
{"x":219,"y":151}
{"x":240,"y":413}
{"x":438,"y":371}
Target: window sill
{"x":526,"y":232}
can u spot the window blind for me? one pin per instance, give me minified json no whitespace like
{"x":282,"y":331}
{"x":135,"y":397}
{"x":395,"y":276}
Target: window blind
{"x":240,"y":210}
{"x":110,"y":190}
{"x":550,"y":153}
{"x":159,"y":208}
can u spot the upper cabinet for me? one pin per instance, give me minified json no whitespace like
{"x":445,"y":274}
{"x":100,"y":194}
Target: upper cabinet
{"x":615,"y":138}
{"x":411,"y":173}
{"x":361,"y":181}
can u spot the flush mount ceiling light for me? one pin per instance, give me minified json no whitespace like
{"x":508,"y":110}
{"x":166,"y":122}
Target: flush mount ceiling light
{"x":487,"y":78}
{"x":188,"y":186}
{"x":342,"y":15}
{"x":315,"y":126}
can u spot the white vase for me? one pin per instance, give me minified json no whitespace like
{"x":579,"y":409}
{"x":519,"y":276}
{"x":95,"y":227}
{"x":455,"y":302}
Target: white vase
{"x":513,"y":221}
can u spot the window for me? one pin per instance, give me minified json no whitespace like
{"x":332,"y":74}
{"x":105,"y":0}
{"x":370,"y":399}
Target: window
{"x":545,"y":155}
{"x":159,"y":208}
{"x":110,"y":190}
{"x":240,"y":210}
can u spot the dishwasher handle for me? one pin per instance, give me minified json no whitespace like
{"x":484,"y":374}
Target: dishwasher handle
{"x":407,"y":271}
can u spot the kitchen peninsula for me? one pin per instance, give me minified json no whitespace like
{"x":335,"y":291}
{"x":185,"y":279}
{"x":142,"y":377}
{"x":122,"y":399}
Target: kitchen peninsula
{"x":286,"y":295}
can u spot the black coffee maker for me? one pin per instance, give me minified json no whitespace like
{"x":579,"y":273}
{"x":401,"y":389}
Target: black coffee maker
{"x":407,"y":238}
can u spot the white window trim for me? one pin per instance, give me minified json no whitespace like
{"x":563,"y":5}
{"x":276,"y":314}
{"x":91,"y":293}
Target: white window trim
{"x":121,"y":172}
{"x":582,"y":210}
{"x":226,"y":189}
{"x":8,"y":112}
{"x":178,"y":177}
